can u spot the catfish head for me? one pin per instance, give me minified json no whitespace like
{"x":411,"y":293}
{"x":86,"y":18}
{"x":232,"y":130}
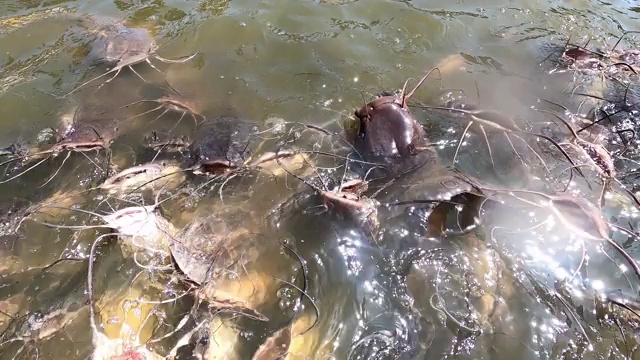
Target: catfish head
{"x":87,"y":137}
{"x":116,"y":43}
{"x":387,"y":129}
{"x":90,"y":128}
{"x":222,"y":145}
{"x":348,"y":199}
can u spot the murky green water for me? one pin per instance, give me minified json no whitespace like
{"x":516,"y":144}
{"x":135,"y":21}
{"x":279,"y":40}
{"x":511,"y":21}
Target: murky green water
{"x":310,"y":62}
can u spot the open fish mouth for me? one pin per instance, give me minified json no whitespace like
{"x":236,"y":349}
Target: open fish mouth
{"x":119,"y":349}
{"x":79,"y":146}
{"x":134,"y":221}
{"x":129,"y":212}
{"x":133,"y":172}
{"x":144,"y":176}
{"x":131,"y":355}
{"x":214,"y":167}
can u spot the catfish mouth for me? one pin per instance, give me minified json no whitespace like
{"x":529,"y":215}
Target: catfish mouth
{"x":132,"y":353}
{"x":129,"y":212}
{"x":578,"y":54}
{"x":81,"y":146}
{"x":177,"y":105}
{"x":134,"y":221}
{"x":282,"y":154}
{"x":355,"y":186}
{"x":348,"y":195}
{"x":132,"y":173}
{"x":129,"y":355}
{"x":457,"y":104}
{"x":215,"y":167}
{"x":154,"y":142}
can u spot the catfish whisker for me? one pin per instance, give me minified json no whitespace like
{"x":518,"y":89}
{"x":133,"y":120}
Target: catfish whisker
{"x":149,"y":111}
{"x":624,"y":64}
{"x":606,"y":117}
{"x":133,"y":103}
{"x":76,"y":209}
{"x":93,"y":162}
{"x":633,"y":196}
{"x":507,"y":128}
{"x":323,"y":153}
{"x":158,"y":117}
{"x":154,"y":67}
{"x":115,"y":69}
{"x":464,"y":134}
{"x":223,"y":184}
{"x":574,"y":315}
{"x":24,"y":172}
{"x":135,"y":72}
{"x":181,"y":324}
{"x":159,"y":151}
{"x":92,"y":254}
{"x":580,"y":265}
{"x":180,"y":120}
{"x":518,"y":154}
{"x":184,"y":340}
{"x":108,"y":80}
{"x":315,"y":188}
{"x":621,"y":37}
{"x":197,"y":189}
{"x":57,"y":171}
{"x":486,"y":139}
{"x":156,"y":179}
{"x":181,"y":60}
{"x":405,"y":98}
{"x":73,"y":227}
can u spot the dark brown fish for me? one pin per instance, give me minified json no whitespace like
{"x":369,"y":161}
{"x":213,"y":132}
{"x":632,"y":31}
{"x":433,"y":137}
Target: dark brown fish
{"x":223,"y":144}
{"x":388,"y":133}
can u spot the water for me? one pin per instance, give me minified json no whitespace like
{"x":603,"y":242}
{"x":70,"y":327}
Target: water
{"x":315,"y":62}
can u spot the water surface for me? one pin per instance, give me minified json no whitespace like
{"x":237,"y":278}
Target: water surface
{"x":311,"y":62}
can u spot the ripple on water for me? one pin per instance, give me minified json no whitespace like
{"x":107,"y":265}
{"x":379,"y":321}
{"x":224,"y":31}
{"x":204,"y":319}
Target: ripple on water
{"x":530,"y":289}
